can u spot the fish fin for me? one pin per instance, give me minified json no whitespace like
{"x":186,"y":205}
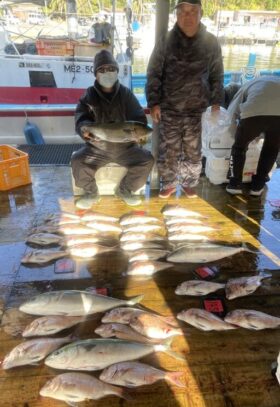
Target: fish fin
{"x":171,"y":321}
{"x":72,"y":403}
{"x":174,"y":378}
{"x":263,"y":274}
{"x":135,"y":300}
{"x":165,"y":347}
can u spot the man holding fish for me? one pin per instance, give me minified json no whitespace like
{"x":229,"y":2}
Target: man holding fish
{"x":111,"y":121}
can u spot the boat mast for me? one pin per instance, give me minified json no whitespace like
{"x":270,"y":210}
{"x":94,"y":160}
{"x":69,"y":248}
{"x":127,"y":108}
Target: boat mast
{"x":162,"y":17}
{"x":71,"y":15}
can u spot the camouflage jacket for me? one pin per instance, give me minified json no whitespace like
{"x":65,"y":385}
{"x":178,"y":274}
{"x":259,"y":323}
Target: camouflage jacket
{"x":185,"y":75}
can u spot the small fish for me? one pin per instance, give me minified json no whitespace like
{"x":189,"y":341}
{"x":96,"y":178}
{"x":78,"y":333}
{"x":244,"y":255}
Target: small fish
{"x":153,"y":327}
{"x":185,"y":228}
{"x":135,"y":374}
{"x":179,"y":211}
{"x":50,"y":325}
{"x":103,"y":239}
{"x":76,"y":229}
{"x":147,"y":254}
{"x":72,"y":303}
{"x":123,"y":315}
{"x":204,"y":253}
{"x":92,"y":216}
{"x":132,"y":246}
{"x":138,"y":236}
{"x":204,"y":320}
{"x":96,"y":354}
{"x":185,"y":236}
{"x":66,"y":215}
{"x":146,"y":227}
{"x":251,"y":319}
{"x":45,"y":229}
{"x":187,"y":221}
{"x":32,"y":351}
{"x":122,"y":331}
{"x":77,"y":387}
{"x":44,"y":239}
{"x":89,"y":250}
{"x":146,"y":268}
{"x":62,"y":220}
{"x":42,"y":256}
{"x":240,"y":287}
{"x":197,"y":287}
{"x":102,"y":226}
{"x":120,"y":132}
{"x":132,"y":219}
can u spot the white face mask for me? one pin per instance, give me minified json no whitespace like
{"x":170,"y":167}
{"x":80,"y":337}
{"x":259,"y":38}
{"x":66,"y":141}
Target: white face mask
{"x":107,"y":79}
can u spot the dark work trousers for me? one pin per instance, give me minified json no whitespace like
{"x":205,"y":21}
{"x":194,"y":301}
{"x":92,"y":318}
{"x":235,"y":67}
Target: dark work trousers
{"x":247,"y":130}
{"x":179,"y":158}
{"x":87,"y":160}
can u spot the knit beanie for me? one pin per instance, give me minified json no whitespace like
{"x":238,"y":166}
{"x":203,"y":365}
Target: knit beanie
{"x":104,"y":57}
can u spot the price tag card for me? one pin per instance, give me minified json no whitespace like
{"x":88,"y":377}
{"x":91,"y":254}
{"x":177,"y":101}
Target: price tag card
{"x":206,"y":273}
{"x":64,"y":266}
{"x":215,"y":305}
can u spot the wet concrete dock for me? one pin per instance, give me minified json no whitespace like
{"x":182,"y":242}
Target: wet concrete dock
{"x":230,"y":368}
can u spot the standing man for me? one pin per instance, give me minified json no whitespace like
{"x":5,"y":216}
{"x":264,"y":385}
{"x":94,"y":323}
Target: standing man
{"x":256,"y":106}
{"x":184,"y":77}
{"x":108,"y":101}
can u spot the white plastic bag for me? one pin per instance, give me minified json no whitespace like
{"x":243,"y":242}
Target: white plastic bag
{"x":216,"y":129}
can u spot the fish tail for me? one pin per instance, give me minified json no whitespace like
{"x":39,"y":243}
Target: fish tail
{"x":171,"y":321}
{"x":175,"y":378}
{"x":135,"y":300}
{"x":165,"y":347}
{"x":123,"y":393}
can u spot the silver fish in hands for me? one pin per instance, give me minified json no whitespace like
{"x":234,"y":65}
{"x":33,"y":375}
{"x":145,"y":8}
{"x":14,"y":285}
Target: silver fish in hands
{"x":146,"y":268}
{"x":134,"y":219}
{"x":240,"y":287}
{"x":77,"y":387}
{"x":198,"y":287}
{"x":135,"y":374}
{"x":72,"y":303}
{"x":153,"y":327}
{"x":148,"y":254}
{"x":89,"y":250}
{"x":204,"y":320}
{"x":123,"y":315}
{"x":122,"y":331}
{"x":120,"y":132}
{"x":32,"y":351}
{"x":42,"y":256}
{"x":96,"y":354}
{"x":251,"y":319}
{"x":44,"y":239}
{"x":204,"y":253}
{"x":50,"y":325}
{"x":179,"y":211}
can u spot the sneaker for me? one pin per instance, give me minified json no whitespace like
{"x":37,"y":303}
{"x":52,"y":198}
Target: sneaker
{"x":234,"y":189}
{"x":190,"y":192}
{"x":128,"y":197}
{"x":86,"y":201}
{"x":166,"y":193}
{"x":256,"y":192}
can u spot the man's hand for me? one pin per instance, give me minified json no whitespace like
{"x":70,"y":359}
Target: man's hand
{"x":155,"y":113}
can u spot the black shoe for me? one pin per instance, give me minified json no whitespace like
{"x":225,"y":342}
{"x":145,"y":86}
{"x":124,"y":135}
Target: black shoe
{"x":257,"y":186}
{"x":256,"y":192}
{"x":127,"y":197}
{"x":234,"y":189}
{"x":87,"y":200}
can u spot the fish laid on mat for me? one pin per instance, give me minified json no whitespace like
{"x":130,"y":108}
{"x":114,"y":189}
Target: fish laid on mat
{"x":147,"y":254}
{"x":187,"y":237}
{"x":62,"y":220}
{"x":240,"y":287}
{"x":102,"y":226}
{"x":204,"y":320}
{"x":100,"y":238}
{"x":62,"y":215}
{"x":185,"y":228}
{"x":91,"y":216}
{"x":204,"y":253}
{"x":32,"y":351}
{"x":120,"y":132}
{"x":149,"y":244}
{"x":77,"y":387}
{"x":132,"y":219}
{"x":96,"y":354}
{"x":186,"y":221}
{"x":198,"y":287}
{"x":50,"y":325}
{"x":146,"y":268}
{"x":77,"y":229}
{"x":140,"y":236}
{"x":45,"y":239}
{"x":42,"y":256}
{"x":152,"y":326}
{"x":144,"y":228}
{"x":122,"y":331}
{"x":179,"y":211}
{"x":134,"y":374}
{"x":72,"y":303}
{"x":123,"y":315}
{"x":250,"y":319}
{"x":89,"y":250}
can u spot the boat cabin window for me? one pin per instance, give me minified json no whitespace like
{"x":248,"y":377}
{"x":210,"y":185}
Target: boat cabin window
{"x":42,"y":79}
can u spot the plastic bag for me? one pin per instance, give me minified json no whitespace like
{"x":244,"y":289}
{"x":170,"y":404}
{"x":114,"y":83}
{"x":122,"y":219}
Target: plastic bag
{"x":216,"y":131}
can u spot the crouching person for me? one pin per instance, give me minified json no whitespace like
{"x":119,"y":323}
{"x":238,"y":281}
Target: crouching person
{"x":107,"y":101}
